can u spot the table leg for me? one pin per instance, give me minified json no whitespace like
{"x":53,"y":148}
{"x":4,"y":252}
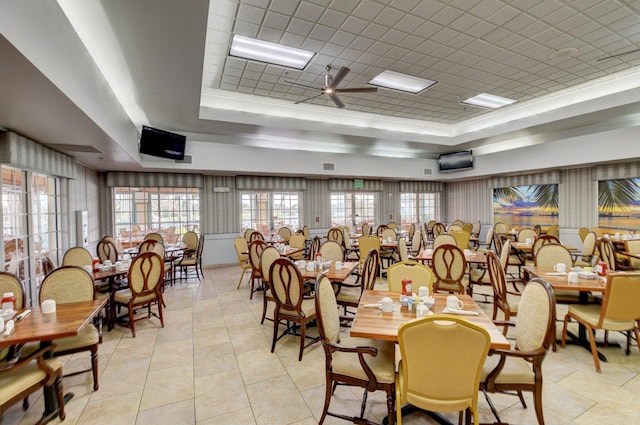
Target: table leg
{"x":407,"y":409}
{"x":51,"y":406}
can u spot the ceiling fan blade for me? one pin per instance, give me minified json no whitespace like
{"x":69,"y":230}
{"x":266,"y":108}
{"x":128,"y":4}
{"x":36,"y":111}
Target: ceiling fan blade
{"x":303,"y":85}
{"x":340,"y":76}
{"x":336,"y":100}
{"x":358,"y":90}
{"x":308,"y":98}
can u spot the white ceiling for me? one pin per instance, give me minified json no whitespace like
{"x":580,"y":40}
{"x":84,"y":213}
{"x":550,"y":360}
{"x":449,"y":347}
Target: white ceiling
{"x":164,"y":63}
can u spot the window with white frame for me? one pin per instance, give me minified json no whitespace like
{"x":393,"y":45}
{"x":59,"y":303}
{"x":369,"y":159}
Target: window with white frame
{"x":419,"y":207}
{"x":269,"y":211}
{"x":352,"y":209}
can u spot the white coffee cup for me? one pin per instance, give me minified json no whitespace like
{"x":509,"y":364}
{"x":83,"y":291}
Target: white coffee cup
{"x":310,"y":266}
{"x":529,"y":241}
{"x":386,"y":305}
{"x":572,"y":277}
{"x":107,"y":262}
{"x":560,"y":267}
{"x":453,"y":303}
{"x":48,"y":306}
{"x":338,"y":265}
{"x":423,"y":291}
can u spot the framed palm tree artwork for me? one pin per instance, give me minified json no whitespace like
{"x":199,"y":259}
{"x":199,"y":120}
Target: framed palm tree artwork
{"x":526,"y":206}
{"x":619,"y":203}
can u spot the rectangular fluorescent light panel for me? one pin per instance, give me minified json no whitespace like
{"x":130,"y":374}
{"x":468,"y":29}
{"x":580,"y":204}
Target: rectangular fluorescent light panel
{"x":402,"y":82}
{"x":264,"y":51}
{"x":486,"y":100}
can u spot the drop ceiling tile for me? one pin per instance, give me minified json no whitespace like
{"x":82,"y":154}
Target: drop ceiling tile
{"x":309,"y":12}
{"x":300,"y":27}
{"x":368,"y":10}
{"x":374,"y":31}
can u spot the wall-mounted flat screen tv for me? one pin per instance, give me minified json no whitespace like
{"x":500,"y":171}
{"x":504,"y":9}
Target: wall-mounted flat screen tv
{"x":161,"y":143}
{"x":455,"y":161}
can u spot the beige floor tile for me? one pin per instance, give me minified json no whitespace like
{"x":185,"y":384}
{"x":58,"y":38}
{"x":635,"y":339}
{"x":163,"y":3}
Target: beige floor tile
{"x":239,"y":417}
{"x":165,"y":386}
{"x":277,"y":401}
{"x":166,"y":355}
{"x":219,"y":393}
{"x":181,"y":412}
{"x":122,"y":410}
{"x":259,"y":365}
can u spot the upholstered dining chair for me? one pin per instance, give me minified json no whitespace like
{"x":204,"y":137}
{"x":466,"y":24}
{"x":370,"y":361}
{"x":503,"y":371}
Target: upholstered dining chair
{"x":241,"y":246}
{"x":402,"y":253}
{"x":247,"y":234}
{"x":359,"y":362}
{"x":429,"y":229}
{"x":538,"y":243}
{"x":479,"y":276}
{"x":285,"y":233}
{"x":443,"y":239}
{"x":582,"y":232}
{"x":381,"y":228}
{"x":526,"y":233}
{"x":502,"y":300}
{"x":190,"y":260}
{"x":348,"y":294}
{"x":438,"y":229}
{"x":449,"y":266}
{"x":146,"y":275}
{"x":462,"y":238}
{"x":255,"y":250}
{"x":336,"y":234}
{"x":468,"y":227}
{"x":419,"y":274}
{"x":631,"y":253}
{"x":107,"y":250}
{"x":68,"y":284}
{"x":366,"y":229}
{"x":152,"y":245}
{"x":616,"y":261}
{"x":10,"y":283}
{"x":411,"y":231}
{"x":314,"y":248}
{"x":588,"y":253}
{"x":422,"y":381}
{"x":619,"y":311}
{"x":155,"y":236}
{"x":365,"y":244}
{"x":267,"y":257}
{"x":454,"y":227}
{"x":416,"y":244}
{"x":486,"y":245}
{"x":332,"y":251}
{"x":190,"y":241}
{"x":501,"y":228}
{"x":297,"y":241}
{"x":292,"y":306}
{"x":256,"y":236}
{"x":550,"y":255}
{"x":520,"y":369}
{"x":77,"y":256}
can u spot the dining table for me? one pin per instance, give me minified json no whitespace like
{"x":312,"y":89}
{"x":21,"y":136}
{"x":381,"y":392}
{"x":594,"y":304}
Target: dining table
{"x":334,"y":274}
{"x":67,"y":321}
{"x":111,"y":275}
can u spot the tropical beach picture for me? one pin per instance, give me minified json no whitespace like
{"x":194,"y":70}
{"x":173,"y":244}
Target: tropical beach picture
{"x":526,"y":206}
{"x":619,"y":203}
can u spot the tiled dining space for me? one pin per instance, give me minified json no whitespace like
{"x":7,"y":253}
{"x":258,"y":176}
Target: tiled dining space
{"x":211,"y":364}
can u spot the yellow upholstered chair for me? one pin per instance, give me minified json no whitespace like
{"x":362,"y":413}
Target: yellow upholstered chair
{"x":146,"y":275}
{"x":360,"y":362}
{"x":77,"y":256}
{"x":462,"y":238}
{"x":297,"y":241}
{"x":68,"y":284}
{"x":520,"y":369}
{"x":419,"y":274}
{"x":619,"y":311}
{"x":588,"y":254}
{"x":422,"y":381}
{"x":242,"y":252}
{"x":554,"y":230}
{"x":449,"y":266}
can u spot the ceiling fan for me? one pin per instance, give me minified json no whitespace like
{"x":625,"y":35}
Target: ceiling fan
{"x":330,"y":86}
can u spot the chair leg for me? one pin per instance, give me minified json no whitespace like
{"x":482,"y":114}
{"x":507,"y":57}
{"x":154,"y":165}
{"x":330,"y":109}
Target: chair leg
{"x":537,"y":402}
{"x":241,"y":277}
{"x":131,"y":321}
{"x":564,"y":331}
{"x":94,"y":368}
{"x":276,"y":322}
{"x":60,"y":396}
{"x":303,"y":327}
{"x":594,"y":348}
{"x":327,"y":399}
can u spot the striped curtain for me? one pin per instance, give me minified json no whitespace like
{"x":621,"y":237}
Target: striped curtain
{"x":125,"y":179}
{"x":24,"y":153}
{"x":270,"y":183}
{"x":348,"y":185}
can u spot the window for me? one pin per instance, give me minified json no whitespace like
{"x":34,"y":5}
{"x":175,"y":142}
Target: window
{"x":44,"y":216}
{"x":352,"y":209}
{"x":167,"y":210}
{"x":418,"y":208}
{"x":269,"y":211}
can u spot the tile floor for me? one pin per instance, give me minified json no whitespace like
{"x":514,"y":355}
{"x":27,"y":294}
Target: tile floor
{"x":211,"y":364}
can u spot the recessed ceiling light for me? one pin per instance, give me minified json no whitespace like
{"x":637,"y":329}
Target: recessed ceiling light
{"x":402,"y":82}
{"x":486,"y":100}
{"x":264,"y":51}
{"x":564,"y":53}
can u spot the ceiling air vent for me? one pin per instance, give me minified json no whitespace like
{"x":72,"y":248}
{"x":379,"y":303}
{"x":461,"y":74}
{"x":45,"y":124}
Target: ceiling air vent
{"x":188,"y":159}
{"x":328,"y":166}
{"x":428,"y":171}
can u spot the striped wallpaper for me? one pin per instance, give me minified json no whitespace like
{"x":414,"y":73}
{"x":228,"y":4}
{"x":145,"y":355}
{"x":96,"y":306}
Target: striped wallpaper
{"x":549,"y":177}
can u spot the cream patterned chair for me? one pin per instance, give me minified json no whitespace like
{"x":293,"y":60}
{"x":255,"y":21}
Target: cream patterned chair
{"x":241,"y":247}
{"x":449,"y":266}
{"x":586,"y":257}
{"x":77,"y":256}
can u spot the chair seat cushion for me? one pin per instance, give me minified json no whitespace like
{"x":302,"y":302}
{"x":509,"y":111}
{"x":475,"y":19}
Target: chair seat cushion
{"x":382,"y":365}
{"x":590,"y":313}
{"x":308,"y":307}
{"x":186,"y":262}
{"x":124,"y":296}
{"x":15,"y":381}
{"x":88,"y":336}
{"x":349,"y":295}
{"x":515,"y":371}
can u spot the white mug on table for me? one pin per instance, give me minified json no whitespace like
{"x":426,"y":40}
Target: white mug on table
{"x":453,"y":303}
{"x":338,"y":265}
{"x":386,"y":305}
{"x":560,"y":267}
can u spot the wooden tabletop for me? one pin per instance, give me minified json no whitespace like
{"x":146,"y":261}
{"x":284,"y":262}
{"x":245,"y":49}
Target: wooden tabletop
{"x":333,"y":274}
{"x":526,"y":247}
{"x":67,"y":321}
{"x":561,"y":281}
{"x":373,"y":323}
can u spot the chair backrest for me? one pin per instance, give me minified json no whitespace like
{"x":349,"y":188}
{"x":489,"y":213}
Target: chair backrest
{"x":389,"y":233}
{"x":438,"y":229}
{"x":392,"y":225}
{"x":247,"y":234}
{"x":430,"y":225}
{"x":155,"y":236}
{"x":107,"y":250}
{"x":419,"y":274}
{"x":633,"y":247}
{"x":589,"y":246}
{"x":10,"y":283}
{"x":468,"y":227}
{"x":551,"y":254}
{"x":336,"y":234}
{"x":449,"y":266}
{"x":425,"y":383}
{"x":314,"y":248}
{"x":370,"y":269}
{"x":412,"y":231}
{"x":297,"y":240}
{"x":267,"y":257}
{"x":287,"y":285}
{"x":554,"y":230}
{"x":444,"y":239}
{"x":582,"y":232}
{"x":146,"y":274}
{"x":47,"y":265}
{"x":190,"y":239}
{"x":366,"y":229}
{"x":151,"y":245}
{"x":255,"y":250}
{"x":416,"y":242}
{"x":77,"y":256}
{"x":497,"y":242}
{"x":525,"y":234}
{"x":477,"y":228}
{"x":306,"y":232}
{"x":498,"y":281}
{"x":458,"y":222}
{"x":381,"y":228}
{"x":327,"y":314}
{"x":504,"y":254}
{"x":501,"y":227}
{"x":67,"y":284}
{"x":462,"y":238}
{"x":538,"y":229}
{"x":366,"y":243}
{"x":541,"y":241}
{"x":284,"y":233}
{"x":332,"y":251}
{"x":489,"y":239}
{"x":242,"y":249}
{"x":536,"y":316}
{"x":256,"y":236}
{"x":621,"y":297}
{"x":607,"y":253}
{"x":454,"y":227}
{"x":403,"y":253}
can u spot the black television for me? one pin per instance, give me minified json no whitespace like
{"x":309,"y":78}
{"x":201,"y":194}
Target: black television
{"x":455,"y":161}
{"x":161,"y":143}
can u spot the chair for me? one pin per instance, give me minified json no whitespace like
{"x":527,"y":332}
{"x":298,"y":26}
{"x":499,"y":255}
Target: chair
{"x":348,"y":295}
{"x":501,"y":228}
{"x":515,"y":259}
{"x":146,"y":275}
{"x":525,"y":234}
{"x":462,"y":238}
{"x":481,"y":276}
{"x":292,"y":306}
{"x":619,"y":311}
{"x":247,"y":234}
{"x":458,"y":222}
{"x":411,"y":232}
{"x":267,"y":257}
{"x":586,"y":257}
{"x":314,"y":248}
{"x":477,"y":228}
{"x":444,"y":239}
{"x":550,"y":255}
{"x":381,"y":228}
{"x":468,"y":227}
{"x":501,"y":300}
{"x":554,"y":230}
{"x":438,"y":229}
{"x":154,"y":236}
{"x":486,"y":245}
{"x":10,"y":283}
{"x":609,"y":255}
{"x":336,"y":234}
{"x":190,"y":240}
{"x":423,"y":380}
{"x":541,"y":241}
{"x":242,"y":252}
{"x":416,"y":245}
{"x":419,"y":274}
{"x":152,"y":245}
{"x":297,"y":241}
{"x":107,"y":250}
{"x":77,"y":256}
{"x":68,"y":284}
{"x":360,"y":362}
{"x":306,"y":232}
{"x":284,"y":233}
{"x":449,"y":266}
{"x":21,"y":375}
{"x":366,"y":229}
{"x":429,"y":229}
{"x":393,"y":225}
{"x":631,"y":253}
{"x":193,"y":260}
{"x":365,"y":244}
{"x":403,"y":252}
{"x":332,"y":251}
{"x":582,"y":232}
{"x":256,"y":236}
{"x":389,"y":233}
{"x":255,"y":250}
{"x":454,"y":227}
{"x":520,"y":369}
